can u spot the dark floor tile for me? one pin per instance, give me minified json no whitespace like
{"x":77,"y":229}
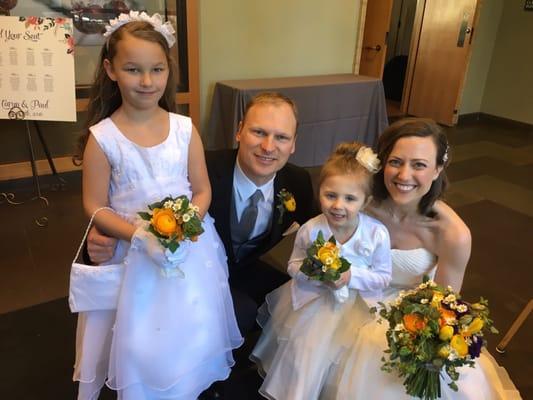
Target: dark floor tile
{"x":500,"y":271}
{"x":516,"y":174}
{"x":492,"y":131}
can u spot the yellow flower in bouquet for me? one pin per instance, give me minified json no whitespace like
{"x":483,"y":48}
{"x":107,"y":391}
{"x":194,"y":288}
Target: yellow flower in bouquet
{"x":328,"y":254}
{"x":446,"y":333}
{"x":323,"y":262}
{"x":173,"y":220}
{"x":431,"y":329}
{"x":164,"y":221}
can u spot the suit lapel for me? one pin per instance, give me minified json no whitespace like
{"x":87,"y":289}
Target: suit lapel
{"x":276,"y":230}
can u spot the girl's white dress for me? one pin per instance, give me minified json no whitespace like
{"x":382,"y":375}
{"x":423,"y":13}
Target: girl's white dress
{"x":169,"y":338}
{"x":358,"y":375}
{"x":305,"y":329}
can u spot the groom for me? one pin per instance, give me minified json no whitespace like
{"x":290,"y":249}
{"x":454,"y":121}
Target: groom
{"x":250,"y":218}
{"x":266,"y":137}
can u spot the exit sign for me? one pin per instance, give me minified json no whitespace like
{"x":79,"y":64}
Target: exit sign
{"x":528,"y":5}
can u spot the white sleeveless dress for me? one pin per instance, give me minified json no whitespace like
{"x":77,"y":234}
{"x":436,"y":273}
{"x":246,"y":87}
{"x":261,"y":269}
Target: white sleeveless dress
{"x":170,"y":338}
{"x":359,"y":375}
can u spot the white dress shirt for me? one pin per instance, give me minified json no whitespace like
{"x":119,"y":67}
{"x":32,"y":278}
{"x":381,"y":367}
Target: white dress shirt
{"x":243,"y":189}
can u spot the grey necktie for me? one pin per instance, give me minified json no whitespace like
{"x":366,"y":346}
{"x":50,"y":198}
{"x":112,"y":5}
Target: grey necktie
{"x":247,"y":222}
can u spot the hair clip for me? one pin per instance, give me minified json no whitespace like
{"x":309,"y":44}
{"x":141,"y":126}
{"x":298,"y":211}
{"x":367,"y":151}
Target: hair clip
{"x":368,"y":159}
{"x":155,"y":20}
{"x":445,"y":155}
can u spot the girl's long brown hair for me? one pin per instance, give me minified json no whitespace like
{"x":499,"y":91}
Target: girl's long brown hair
{"x":105,"y":98}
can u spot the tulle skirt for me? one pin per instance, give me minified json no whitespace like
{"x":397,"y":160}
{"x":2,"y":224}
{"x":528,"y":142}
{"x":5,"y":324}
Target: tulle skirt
{"x":171,"y":337}
{"x":298,"y":350}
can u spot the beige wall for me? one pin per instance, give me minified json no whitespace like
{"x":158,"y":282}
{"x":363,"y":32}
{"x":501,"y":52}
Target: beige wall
{"x":481,"y":57}
{"x":242,"y":39}
{"x":509,"y":86}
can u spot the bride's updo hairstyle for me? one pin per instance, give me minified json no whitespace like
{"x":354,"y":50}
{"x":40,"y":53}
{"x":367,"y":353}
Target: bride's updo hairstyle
{"x":418,"y":127}
{"x":343,"y":161}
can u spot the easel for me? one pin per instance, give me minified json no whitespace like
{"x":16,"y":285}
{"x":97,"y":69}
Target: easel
{"x":16,"y":113}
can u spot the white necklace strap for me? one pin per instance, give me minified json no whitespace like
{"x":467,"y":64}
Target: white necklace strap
{"x":87,"y":230}
{"x":166,"y":29}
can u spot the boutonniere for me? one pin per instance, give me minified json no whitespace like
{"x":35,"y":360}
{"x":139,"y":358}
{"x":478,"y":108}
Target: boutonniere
{"x":286,"y":203}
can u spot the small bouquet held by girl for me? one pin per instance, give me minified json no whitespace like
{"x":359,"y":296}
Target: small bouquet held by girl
{"x":431,"y":329}
{"x":323,"y":263}
{"x":172,"y":221}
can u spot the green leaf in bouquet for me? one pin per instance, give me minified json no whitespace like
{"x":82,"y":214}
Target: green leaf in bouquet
{"x":184,"y":204}
{"x":494,"y":330}
{"x":311,"y":252}
{"x":159,"y":204}
{"x":163,"y":242}
{"x":320,"y":239}
{"x":345,"y":265}
{"x":145,"y":216}
{"x":465,"y":319}
{"x":307,"y":267}
{"x":332,"y":240}
{"x":173,"y":246}
{"x":438,"y":362}
{"x":433,"y":325}
{"x":397,"y":316}
{"x":331,"y":275}
{"x":405,"y":351}
{"x":453,"y":386}
{"x":151,"y":229}
{"x":373,"y":310}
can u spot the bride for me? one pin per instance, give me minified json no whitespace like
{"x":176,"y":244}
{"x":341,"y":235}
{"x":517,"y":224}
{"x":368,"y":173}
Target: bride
{"x":427,"y":238}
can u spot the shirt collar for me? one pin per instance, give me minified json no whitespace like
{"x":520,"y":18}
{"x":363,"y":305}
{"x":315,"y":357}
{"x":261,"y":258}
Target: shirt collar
{"x":244,"y":187}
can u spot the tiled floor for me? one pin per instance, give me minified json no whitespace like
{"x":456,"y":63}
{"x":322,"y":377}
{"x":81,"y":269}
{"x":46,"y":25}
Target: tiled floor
{"x":492,"y":189}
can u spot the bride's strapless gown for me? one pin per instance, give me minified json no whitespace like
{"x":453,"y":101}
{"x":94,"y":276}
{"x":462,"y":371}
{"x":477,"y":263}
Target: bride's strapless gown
{"x":359,"y":376}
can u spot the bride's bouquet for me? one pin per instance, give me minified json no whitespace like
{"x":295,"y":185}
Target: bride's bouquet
{"x":432,"y":330}
{"x":173,"y":220}
{"x":324,"y":263}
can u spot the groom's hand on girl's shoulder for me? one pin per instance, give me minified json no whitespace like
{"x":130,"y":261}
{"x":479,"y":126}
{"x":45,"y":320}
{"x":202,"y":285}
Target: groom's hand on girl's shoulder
{"x":100,"y":247}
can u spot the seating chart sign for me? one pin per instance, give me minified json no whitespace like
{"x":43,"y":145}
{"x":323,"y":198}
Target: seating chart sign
{"x":37,"y":69}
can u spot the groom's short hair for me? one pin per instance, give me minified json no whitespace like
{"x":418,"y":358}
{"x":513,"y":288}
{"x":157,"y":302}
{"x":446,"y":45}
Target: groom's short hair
{"x":274,"y":98}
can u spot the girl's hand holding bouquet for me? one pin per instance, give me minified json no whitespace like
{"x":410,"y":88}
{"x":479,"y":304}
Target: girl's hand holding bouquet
{"x":324,"y":264}
{"x":173,"y":224}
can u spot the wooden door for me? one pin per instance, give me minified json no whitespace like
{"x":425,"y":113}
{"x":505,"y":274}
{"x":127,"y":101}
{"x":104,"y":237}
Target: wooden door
{"x":441,"y":59}
{"x":374,"y":46}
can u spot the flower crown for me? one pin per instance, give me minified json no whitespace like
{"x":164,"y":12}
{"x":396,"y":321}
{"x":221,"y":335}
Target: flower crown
{"x":155,"y":20}
{"x":368,"y":159}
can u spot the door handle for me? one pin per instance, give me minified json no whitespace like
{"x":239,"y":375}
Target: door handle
{"x":375,"y":48}
{"x":463,"y":30}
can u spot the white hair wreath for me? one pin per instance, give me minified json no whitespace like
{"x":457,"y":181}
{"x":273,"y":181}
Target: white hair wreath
{"x":166,"y":29}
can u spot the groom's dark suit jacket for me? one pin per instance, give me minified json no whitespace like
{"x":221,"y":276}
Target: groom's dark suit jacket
{"x":220,"y":166}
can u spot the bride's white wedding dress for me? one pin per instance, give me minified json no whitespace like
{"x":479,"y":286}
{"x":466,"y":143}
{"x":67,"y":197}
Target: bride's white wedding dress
{"x":359,"y":376}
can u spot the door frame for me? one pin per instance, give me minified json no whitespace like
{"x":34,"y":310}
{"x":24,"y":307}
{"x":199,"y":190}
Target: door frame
{"x":413,"y":49}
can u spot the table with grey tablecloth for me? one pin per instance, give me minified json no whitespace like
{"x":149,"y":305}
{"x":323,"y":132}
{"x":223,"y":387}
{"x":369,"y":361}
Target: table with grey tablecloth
{"x":331,"y":109}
